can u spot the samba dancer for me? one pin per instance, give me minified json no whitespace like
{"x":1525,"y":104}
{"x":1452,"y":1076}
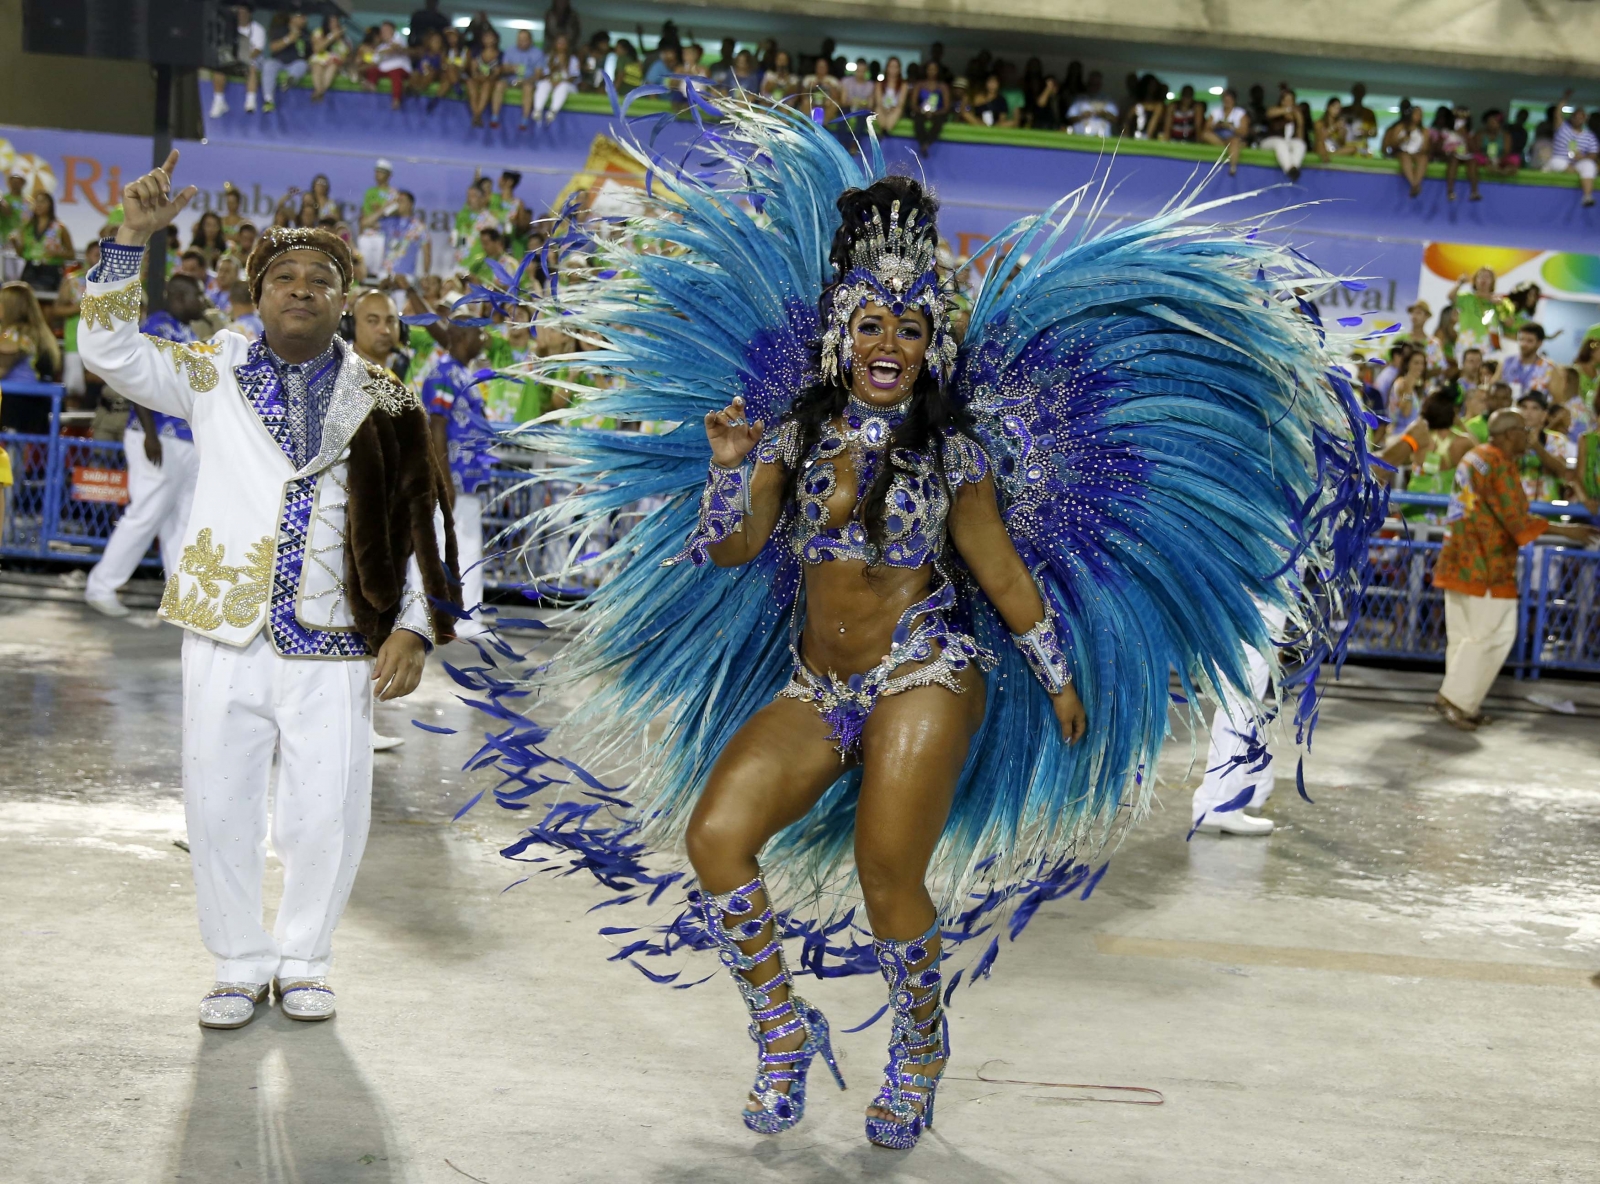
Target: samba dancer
{"x":1140,"y":446}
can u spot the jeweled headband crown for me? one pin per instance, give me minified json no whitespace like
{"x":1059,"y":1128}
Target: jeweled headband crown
{"x":279,"y":239}
{"x":894,"y":266}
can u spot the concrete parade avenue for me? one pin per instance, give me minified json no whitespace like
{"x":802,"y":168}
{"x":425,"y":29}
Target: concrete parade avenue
{"x":1398,"y":985}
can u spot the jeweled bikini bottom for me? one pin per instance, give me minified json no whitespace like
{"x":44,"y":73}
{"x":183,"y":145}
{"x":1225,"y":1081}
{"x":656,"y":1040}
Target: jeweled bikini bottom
{"x":922,"y":633}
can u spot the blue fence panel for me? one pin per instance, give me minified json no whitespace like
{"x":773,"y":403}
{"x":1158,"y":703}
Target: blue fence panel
{"x":1561,"y":626}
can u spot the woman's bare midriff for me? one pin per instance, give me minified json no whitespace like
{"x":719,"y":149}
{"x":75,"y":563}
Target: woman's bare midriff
{"x":867,"y":602}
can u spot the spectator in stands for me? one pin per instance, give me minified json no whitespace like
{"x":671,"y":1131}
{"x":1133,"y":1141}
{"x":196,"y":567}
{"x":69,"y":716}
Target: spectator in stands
{"x":28,"y":349}
{"x":208,"y":237}
{"x":1092,"y":113}
{"x":1417,"y":335}
{"x":1257,"y":108}
{"x":219,"y":288}
{"x":1361,"y":124}
{"x":428,"y":68}
{"x":486,"y":80}
{"x":1518,"y":132}
{"x":1498,"y":397}
{"x":288,"y":52}
{"x":859,"y":91}
{"x":1229,"y":128}
{"x":555,"y":81}
{"x":1542,"y":469}
{"x":456,"y":61}
{"x":780,"y":81}
{"x":1478,"y":309}
{"x":1530,"y":370}
{"x":244,"y":239}
{"x":892,"y":95}
{"x":1477,"y":569}
{"x":1587,"y":364}
{"x":1491,"y":146}
{"x":1544,"y":133}
{"x":425,"y":20}
{"x":561,"y":21}
{"x":1442,"y":345}
{"x":991,"y":108}
{"x":44,"y":244}
{"x":391,"y":60}
{"x":1472,"y":376}
{"x":1186,"y":118}
{"x":1430,"y":448}
{"x":525,"y":61}
{"x":931,"y":103}
{"x":1407,"y":141}
{"x":824,"y":97}
{"x":630,"y":72}
{"x":14,"y":206}
{"x":694,"y":65}
{"x":1286,"y":132}
{"x":1332,"y":133}
{"x":1458,"y":145}
{"x":250,"y":44}
{"x":1575,"y":149}
{"x":1033,"y":84}
{"x":597,"y":63}
{"x":406,"y":248}
{"x":1406,"y":391}
{"x":330,"y":49}
{"x":661,"y":70}
{"x":1147,"y":116}
{"x":322,"y":197}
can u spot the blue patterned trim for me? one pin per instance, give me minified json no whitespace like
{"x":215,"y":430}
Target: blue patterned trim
{"x":289,"y":637}
{"x":723,"y":505}
{"x":117,"y":262}
{"x":262,"y":388}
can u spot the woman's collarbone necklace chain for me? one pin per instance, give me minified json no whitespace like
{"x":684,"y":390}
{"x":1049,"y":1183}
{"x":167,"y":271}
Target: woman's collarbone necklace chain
{"x":867,"y":431}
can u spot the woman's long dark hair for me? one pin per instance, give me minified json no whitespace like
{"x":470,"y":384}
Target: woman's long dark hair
{"x":933,"y":408}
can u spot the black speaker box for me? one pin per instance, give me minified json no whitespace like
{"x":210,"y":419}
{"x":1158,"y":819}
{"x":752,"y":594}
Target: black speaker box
{"x":198,"y":34}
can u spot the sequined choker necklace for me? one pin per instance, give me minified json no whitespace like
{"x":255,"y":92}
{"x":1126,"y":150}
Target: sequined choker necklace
{"x":872,"y":425}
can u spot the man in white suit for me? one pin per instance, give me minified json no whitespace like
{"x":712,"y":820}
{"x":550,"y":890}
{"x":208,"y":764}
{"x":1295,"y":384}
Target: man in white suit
{"x":316,"y":562}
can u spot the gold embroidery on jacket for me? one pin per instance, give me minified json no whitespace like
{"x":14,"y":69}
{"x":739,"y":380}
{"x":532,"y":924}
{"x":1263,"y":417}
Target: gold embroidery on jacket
{"x":245,"y":598}
{"x":204,"y":560}
{"x":195,"y":358}
{"x":100,"y":308}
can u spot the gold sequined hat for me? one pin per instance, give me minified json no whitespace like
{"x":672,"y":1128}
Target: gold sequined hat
{"x":279,"y":239}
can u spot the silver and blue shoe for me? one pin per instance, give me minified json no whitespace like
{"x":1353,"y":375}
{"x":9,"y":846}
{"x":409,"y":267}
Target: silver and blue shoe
{"x":914,"y":1044}
{"x":732,"y":918}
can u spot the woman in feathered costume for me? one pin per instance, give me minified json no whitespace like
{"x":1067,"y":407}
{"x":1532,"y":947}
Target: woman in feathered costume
{"x":921,"y":553}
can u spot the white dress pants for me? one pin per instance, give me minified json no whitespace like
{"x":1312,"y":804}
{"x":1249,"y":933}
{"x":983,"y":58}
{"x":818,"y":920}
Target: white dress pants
{"x":240,"y":708}
{"x":159,"y":497}
{"x":469,"y":549}
{"x":1479,"y":633}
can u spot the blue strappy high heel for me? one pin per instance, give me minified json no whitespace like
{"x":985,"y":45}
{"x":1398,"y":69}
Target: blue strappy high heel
{"x":780,"y":1108}
{"x":908,"y":1094}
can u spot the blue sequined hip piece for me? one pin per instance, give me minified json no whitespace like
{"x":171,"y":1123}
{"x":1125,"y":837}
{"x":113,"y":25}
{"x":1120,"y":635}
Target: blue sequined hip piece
{"x":923,"y":633}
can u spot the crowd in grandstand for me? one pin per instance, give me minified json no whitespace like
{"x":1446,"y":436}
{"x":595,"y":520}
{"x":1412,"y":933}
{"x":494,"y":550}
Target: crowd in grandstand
{"x":434,"y":58}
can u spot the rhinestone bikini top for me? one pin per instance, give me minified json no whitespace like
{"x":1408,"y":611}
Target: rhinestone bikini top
{"x":915,"y":507}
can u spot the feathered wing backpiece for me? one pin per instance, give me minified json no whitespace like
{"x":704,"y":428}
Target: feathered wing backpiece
{"x":1172,"y":448}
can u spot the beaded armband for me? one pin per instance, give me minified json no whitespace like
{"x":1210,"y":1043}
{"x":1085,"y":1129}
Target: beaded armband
{"x":723,"y":505}
{"x":1041,"y":646}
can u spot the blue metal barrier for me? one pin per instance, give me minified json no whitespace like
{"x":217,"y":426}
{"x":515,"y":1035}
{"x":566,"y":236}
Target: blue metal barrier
{"x":50,"y":514}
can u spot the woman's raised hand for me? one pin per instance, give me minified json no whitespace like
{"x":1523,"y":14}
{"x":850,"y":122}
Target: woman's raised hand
{"x":732,"y":436}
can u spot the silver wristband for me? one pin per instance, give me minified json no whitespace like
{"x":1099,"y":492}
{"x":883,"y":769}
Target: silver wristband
{"x":1041,"y":647}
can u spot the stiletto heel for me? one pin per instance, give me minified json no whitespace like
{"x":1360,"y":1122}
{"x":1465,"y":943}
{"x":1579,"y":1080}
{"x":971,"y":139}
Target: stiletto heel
{"x":907,"y":1094}
{"x":780,"y":1109}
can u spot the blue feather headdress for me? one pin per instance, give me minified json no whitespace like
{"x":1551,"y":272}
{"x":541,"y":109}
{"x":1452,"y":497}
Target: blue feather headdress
{"x":1174,"y":447}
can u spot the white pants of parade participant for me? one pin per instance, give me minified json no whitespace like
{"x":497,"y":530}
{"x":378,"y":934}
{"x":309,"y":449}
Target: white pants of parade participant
{"x":370,"y":245}
{"x":1479,"y":633}
{"x":469,"y":548}
{"x":1234,"y":732}
{"x":159,"y":497}
{"x":316,"y":717}
{"x":555,"y":96}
